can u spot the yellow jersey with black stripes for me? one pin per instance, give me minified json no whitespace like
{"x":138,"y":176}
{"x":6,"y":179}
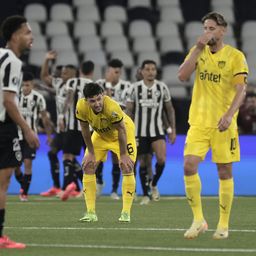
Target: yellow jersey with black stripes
{"x":216,"y":77}
{"x":102,"y":123}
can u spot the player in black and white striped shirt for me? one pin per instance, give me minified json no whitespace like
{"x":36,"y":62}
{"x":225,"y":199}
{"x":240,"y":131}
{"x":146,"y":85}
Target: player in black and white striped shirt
{"x":18,"y":36}
{"x":146,"y":102}
{"x":31,"y":105}
{"x":116,"y":88}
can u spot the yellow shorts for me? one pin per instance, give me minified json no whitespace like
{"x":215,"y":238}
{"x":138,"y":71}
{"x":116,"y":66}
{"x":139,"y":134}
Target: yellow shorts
{"x":224,"y":145}
{"x":102,"y":146}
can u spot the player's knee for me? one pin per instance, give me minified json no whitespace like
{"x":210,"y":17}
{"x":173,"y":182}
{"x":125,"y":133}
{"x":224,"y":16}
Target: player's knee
{"x":189,"y":167}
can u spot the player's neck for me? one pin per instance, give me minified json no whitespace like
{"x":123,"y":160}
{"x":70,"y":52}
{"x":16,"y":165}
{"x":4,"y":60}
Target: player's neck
{"x":149,"y":83}
{"x":217,"y":47}
{"x":14,"y":49}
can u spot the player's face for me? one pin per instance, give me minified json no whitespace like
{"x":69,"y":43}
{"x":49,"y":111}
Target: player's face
{"x":27,"y":87}
{"x":67,"y":73}
{"x":113,"y":75}
{"x":149,"y":72}
{"x":96,"y":103}
{"x":24,"y":37}
{"x":217,"y":32}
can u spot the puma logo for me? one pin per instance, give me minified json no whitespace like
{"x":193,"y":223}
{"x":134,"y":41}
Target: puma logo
{"x":190,"y":199}
{"x":130,"y":193}
{"x":223,"y":207}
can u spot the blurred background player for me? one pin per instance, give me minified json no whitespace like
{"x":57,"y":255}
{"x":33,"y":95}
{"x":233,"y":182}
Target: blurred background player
{"x":116,"y":88}
{"x":31,"y":104}
{"x":146,"y":102}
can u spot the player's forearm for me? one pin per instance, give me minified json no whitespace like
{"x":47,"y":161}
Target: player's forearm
{"x":87,"y":136}
{"x":122,"y":140}
{"x":170,"y":116}
{"x":44,"y":74}
{"x":188,"y":66}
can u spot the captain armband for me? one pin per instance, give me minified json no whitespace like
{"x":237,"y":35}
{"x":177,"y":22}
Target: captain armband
{"x":240,"y":79}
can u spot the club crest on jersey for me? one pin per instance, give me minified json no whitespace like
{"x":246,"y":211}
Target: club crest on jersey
{"x":114,"y":114}
{"x":15,"y":80}
{"x":157,"y":93}
{"x":221,"y":64}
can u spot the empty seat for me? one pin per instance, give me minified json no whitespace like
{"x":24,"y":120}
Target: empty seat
{"x":170,"y":43}
{"x":116,"y":43}
{"x":136,"y":3}
{"x":89,"y":43}
{"x":115,"y":13}
{"x":221,"y":4}
{"x":36,"y":12}
{"x":193,"y":29}
{"x":148,"y":55}
{"x":226,"y":12}
{"x":79,"y":3}
{"x":67,"y":58}
{"x":144,"y":43}
{"x":125,"y":56}
{"x":111,"y":28}
{"x":167,"y":3}
{"x":167,"y":28}
{"x":248,"y":30}
{"x":97,"y":56}
{"x":36,"y":57}
{"x":140,"y":28}
{"x":248,"y":46}
{"x":36,"y":28}
{"x":178,"y":92}
{"x":61,"y":12}
{"x":90,"y":12}
{"x":84,"y":28}
{"x":62,"y":42}
{"x":40,"y":43}
{"x":172,"y":14}
{"x":54,"y":28}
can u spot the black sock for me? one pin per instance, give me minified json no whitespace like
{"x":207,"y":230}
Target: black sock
{"x":55,"y":169}
{"x":19,"y":178}
{"x":159,"y":171}
{"x":26,"y":183}
{"x":2,"y":214}
{"x":116,"y":173}
{"x":68,"y":173}
{"x":144,"y":181}
{"x":99,"y":173}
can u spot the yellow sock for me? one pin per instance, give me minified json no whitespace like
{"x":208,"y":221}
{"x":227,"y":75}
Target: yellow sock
{"x":128,"y":190}
{"x":226,"y":195}
{"x":89,"y":186}
{"x":193,"y":193}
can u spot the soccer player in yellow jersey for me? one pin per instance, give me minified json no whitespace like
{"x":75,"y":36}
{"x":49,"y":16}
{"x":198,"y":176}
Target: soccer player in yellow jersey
{"x":219,"y":89}
{"x":113,"y":131}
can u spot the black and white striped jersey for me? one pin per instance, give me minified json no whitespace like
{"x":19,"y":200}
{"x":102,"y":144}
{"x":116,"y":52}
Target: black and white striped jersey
{"x":61,"y":93}
{"x":77,"y":86}
{"x":10,"y":79}
{"x":118,"y":91}
{"x":30,"y":107}
{"x":148,"y":106}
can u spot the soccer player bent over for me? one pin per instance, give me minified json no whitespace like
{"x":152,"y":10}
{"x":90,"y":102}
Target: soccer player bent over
{"x":113,"y":131}
{"x":219,"y":89}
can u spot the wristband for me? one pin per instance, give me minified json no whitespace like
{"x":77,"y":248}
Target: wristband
{"x":169,"y":130}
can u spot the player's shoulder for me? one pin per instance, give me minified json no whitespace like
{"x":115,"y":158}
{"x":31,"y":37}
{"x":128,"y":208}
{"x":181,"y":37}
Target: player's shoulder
{"x":9,"y":56}
{"x":231,"y":50}
{"x":37,"y":93}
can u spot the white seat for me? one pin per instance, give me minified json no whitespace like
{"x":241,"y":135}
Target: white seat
{"x":116,"y":43}
{"x":61,"y":12}
{"x":167,"y":28}
{"x":230,"y":40}
{"x":61,"y":42}
{"x":193,"y":29}
{"x":35,"y":26}
{"x":67,"y":58}
{"x":125,"y":56}
{"x":140,"y":28}
{"x":115,"y":13}
{"x":35,"y":57}
{"x":54,"y":28}
{"x":97,"y":56}
{"x":111,"y":28}
{"x":79,"y":3}
{"x":84,"y":28}
{"x":167,"y":3}
{"x":144,"y":43}
{"x":248,"y":46}
{"x":36,"y":12}
{"x":136,"y":3}
{"x":170,"y":43}
{"x":226,"y":12}
{"x":248,"y":30}
{"x":86,"y":13}
{"x":89,"y":43}
{"x":39,"y":43}
{"x":221,"y":3}
{"x":178,"y":91}
{"x":172,"y":14}
{"x":148,"y":55}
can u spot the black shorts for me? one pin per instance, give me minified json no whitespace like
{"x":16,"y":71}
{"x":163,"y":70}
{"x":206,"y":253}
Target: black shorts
{"x":10,"y":150}
{"x":27,"y":151}
{"x":144,"y":144}
{"x":57,"y":142}
{"x":72,"y":142}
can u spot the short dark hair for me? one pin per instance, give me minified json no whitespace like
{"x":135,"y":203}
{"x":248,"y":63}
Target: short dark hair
{"x":10,"y":25}
{"x":87,"y":67}
{"x":218,"y":18}
{"x":145,"y":62}
{"x":28,"y":76}
{"x":115,"y":63}
{"x":92,"y":89}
